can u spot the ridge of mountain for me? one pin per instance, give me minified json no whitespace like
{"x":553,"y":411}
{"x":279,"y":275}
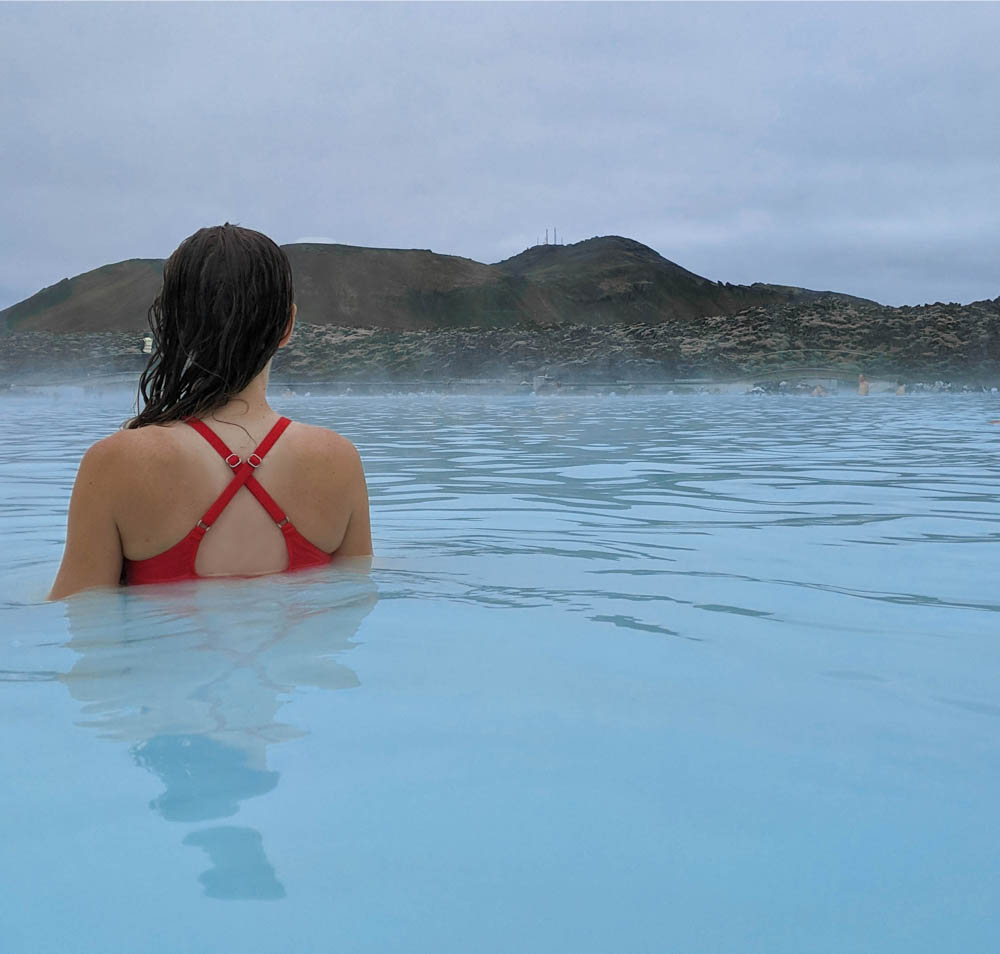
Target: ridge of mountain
{"x":599,"y":281}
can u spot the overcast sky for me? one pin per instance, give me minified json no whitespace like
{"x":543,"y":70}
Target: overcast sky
{"x":853,"y":147}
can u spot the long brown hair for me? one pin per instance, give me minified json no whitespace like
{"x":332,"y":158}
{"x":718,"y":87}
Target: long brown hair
{"x":224,"y":306}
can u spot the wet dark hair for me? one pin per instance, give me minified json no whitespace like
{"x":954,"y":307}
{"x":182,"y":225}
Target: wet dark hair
{"x":224,"y":306}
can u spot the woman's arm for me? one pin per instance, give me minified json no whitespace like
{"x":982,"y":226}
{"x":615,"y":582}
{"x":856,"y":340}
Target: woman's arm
{"x":93,"y":554}
{"x":357,"y":540}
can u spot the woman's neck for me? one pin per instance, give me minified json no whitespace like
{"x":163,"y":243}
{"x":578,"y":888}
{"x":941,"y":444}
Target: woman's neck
{"x":250,"y":405}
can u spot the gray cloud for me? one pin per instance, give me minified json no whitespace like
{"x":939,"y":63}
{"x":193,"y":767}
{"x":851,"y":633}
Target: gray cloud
{"x":844,"y":146}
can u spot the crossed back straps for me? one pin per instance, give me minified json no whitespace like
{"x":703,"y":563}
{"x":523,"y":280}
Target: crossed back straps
{"x":243,"y":473}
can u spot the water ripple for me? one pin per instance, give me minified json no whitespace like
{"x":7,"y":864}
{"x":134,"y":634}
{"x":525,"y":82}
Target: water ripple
{"x":723,"y":506}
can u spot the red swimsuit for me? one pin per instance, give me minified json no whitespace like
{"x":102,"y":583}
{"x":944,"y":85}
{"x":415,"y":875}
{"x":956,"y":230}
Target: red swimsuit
{"x":177,"y":563}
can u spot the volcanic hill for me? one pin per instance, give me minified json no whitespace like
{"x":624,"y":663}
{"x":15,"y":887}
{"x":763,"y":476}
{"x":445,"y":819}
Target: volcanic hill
{"x":600,"y":281}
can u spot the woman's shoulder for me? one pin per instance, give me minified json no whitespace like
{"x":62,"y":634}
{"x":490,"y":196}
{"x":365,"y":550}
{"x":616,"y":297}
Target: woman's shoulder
{"x":321,"y":442}
{"x":323,"y":458}
{"x":142,"y":451}
{"x":151,"y":439}
{"x":128,"y":450}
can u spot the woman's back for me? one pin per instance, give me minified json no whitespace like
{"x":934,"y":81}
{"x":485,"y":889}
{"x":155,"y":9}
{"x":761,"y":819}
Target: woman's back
{"x":155,"y":485}
{"x":206,"y":479}
{"x":176,"y":476}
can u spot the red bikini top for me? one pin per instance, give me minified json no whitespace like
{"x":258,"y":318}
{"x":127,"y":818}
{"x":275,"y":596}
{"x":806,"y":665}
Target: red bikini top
{"x":177,"y":563}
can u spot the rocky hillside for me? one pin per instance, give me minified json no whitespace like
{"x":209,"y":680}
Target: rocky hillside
{"x":927,"y":342}
{"x":601,"y":281}
{"x":107,"y":298}
{"x":612,"y":279}
{"x":607,"y":309}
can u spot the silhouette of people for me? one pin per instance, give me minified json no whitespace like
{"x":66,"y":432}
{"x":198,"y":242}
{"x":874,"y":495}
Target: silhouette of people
{"x":862,"y":385}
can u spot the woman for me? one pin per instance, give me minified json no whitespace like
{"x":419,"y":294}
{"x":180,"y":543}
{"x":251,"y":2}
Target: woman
{"x":208,"y":480}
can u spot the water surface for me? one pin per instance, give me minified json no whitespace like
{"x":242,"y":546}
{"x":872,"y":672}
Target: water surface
{"x":659,"y":673}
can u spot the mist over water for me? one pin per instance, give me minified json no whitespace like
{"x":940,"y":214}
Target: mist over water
{"x":665,"y":652}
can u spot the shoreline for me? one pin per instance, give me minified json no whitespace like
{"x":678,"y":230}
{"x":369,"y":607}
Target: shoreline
{"x":751,"y":387}
{"x":716,"y":353}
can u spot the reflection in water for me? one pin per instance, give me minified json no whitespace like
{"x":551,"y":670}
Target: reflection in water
{"x":195,"y":694}
{"x":205,"y":778}
{"x":240,"y":869}
{"x":838,"y":755}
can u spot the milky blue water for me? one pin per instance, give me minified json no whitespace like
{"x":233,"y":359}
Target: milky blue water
{"x":630,"y":674}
